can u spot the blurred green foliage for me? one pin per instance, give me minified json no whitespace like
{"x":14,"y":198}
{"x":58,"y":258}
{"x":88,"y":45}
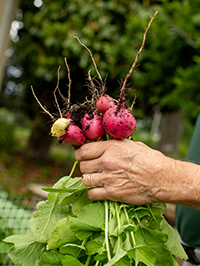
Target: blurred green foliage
{"x":168,"y":72}
{"x":7,"y":140}
{"x":113,"y":31}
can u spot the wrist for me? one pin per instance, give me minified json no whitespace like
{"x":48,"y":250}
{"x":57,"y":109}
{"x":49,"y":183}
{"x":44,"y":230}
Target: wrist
{"x":182,"y":184}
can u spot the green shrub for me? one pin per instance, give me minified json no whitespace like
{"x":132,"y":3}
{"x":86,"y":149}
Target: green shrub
{"x":7,"y":127}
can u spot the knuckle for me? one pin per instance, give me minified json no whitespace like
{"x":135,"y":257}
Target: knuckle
{"x":82,"y":167}
{"x":81,"y":152}
{"x":110,"y":192}
{"x":106,"y":161}
{"x":90,"y":194}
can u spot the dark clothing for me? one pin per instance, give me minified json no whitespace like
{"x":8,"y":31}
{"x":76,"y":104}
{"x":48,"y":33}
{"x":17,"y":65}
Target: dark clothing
{"x":188,"y":219}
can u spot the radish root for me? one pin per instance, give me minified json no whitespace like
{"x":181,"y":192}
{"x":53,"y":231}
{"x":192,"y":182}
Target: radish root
{"x":91,"y":57}
{"x":45,"y":110}
{"x":69,"y":85}
{"x":54,"y":93}
{"x":137,"y":56}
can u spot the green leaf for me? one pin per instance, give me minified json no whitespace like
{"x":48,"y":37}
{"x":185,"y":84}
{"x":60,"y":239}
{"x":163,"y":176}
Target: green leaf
{"x":62,"y":234}
{"x":127,"y":228}
{"x":158,"y":208}
{"x":141,"y":212}
{"x":61,"y":190}
{"x":46,"y":215}
{"x":120,"y":254}
{"x":25,"y":250}
{"x":125,"y":261}
{"x":155,"y":240}
{"x":72,"y":194}
{"x":173,"y":243}
{"x":142,"y":254}
{"x":93,"y":246}
{"x":89,"y":219}
{"x":50,"y":258}
{"x":80,"y":202}
{"x":69,"y":260}
{"x":75,"y":186}
{"x":101,"y":256}
{"x":112,"y":226}
{"x":72,"y":249}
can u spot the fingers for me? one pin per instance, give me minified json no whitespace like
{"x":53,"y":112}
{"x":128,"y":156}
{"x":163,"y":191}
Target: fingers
{"x":97,"y":193}
{"x":97,"y":190}
{"x":90,"y":151}
{"x":92,"y":180}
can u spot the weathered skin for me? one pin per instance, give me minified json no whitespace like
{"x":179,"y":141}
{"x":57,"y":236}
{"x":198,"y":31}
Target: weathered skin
{"x":131,"y":172}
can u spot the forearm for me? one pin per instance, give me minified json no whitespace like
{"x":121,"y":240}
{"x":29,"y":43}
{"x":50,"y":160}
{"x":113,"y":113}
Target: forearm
{"x":181,"y":185}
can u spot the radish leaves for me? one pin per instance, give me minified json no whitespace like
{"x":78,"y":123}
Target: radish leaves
{"x":72,"y":230}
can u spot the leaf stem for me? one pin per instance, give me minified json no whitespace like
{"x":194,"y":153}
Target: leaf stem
{"x":150,"y":210}
{"x":137,"y":56}
{"x":71,"y":173}
{"x":106,"y":230}
{"x":118,"y":225}
{"x":88,"y":260}
{"x":107,"y":137}
{"x":128,"y":221}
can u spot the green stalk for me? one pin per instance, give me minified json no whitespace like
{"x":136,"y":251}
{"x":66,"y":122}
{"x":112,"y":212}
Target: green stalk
{"x":138,"y":220}
{"x":150,"y":210}
{"x":119,"y":225}
{"x":107,"y":137}
{"x":88,"y":260}
{"x":128,"y":221}
{"x":71,"y":173}
{"x":106,"y":230}
{"x":82,"y":245}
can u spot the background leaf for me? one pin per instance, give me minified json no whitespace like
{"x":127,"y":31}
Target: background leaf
{"x":47,"y":214}
{"x":25,"y":250}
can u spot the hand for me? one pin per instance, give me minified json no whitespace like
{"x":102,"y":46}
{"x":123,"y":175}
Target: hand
{"x":127,"y":171}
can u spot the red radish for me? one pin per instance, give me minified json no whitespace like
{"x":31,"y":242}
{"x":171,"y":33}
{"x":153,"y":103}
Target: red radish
{"x":118,"y":122}
{"x":103,"y":103}
{"x":92,"y":126}
{"x":73,"y":136}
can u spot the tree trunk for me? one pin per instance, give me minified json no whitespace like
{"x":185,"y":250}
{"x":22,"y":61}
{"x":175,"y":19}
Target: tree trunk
{"x":171,"y":131}
{"x":40,"y":139}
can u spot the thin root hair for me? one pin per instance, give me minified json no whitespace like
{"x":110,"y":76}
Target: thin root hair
{"x":69,"y":85}
{"x":95,"y":65}
{"x":133,"y":102}
{"x":44,"y":109}
{"x":138,"y":54}
{"x":54,"y":93}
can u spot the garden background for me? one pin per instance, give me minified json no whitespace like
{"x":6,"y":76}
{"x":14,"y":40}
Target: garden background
{"x":166,"y":81}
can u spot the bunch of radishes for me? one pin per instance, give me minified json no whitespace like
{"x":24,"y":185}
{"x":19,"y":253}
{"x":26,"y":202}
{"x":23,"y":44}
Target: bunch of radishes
{"x":96,"y":118}
{"x":93,"y":119}
{"x":108,"y":118}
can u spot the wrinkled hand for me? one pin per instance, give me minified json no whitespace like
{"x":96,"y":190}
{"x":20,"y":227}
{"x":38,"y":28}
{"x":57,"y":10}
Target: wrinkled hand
{"x":123,"y":170}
